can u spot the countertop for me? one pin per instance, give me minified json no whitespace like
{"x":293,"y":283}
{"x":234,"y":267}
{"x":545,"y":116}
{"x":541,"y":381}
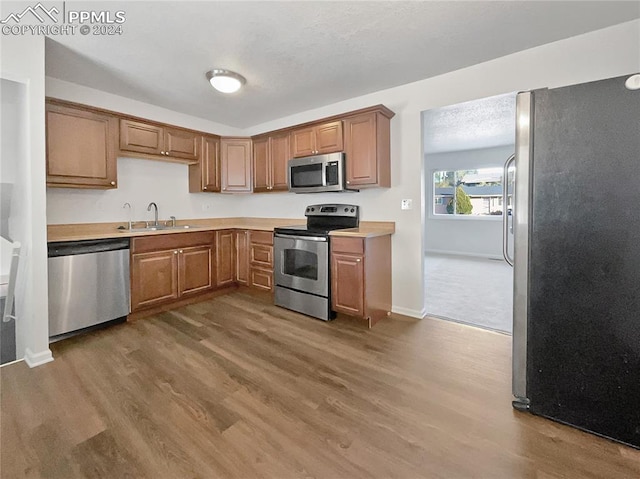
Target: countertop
{"x":88,"y":231}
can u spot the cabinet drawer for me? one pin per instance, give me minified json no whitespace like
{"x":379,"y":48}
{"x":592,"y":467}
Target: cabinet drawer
{"x":347,"y":245}
{"x":141,"y":137}
{"x":262,"y":237}
{"x":169,"y":241}
{"x":261,"y":255}
{"x":261,"y":279}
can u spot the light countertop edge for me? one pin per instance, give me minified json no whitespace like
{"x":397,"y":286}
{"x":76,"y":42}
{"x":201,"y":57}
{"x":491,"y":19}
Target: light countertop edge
{"x":90,"y":231}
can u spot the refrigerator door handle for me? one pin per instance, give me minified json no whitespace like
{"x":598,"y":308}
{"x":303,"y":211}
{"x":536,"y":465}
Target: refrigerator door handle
{"x":520,"y":221}
{"x":505,"y":210}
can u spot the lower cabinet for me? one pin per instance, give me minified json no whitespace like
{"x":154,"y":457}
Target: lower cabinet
{"x":169,"y":267}
{"x":361,"y":277}
{"x":261,"y":260}
{"x":241,"y":240}
{"x":225,"y":258}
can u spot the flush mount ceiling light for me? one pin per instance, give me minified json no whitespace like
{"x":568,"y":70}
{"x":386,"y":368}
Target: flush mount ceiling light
{"x":225,"y":81}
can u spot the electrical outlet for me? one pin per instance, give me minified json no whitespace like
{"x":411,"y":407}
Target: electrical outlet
{"x":206,"y":206}
{"x":406,"y":204}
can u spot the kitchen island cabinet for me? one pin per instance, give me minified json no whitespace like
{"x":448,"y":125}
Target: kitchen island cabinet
{"x":170,"y":267}
{"x":361,"y":277}
{"x":81,"y":147}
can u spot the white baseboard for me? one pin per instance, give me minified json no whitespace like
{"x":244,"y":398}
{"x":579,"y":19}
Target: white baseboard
{"x":469,"y":255}
{"x":12,"y":362}
{"x":37,"y":359}
{"x":412,"y":313}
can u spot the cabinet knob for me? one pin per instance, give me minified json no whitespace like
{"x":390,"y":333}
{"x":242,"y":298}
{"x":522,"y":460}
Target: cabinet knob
{"x":204,"y":188}
{"x":348,"y":182}
{"x":175,"y":252}
{"x":180,"y":251}
{"x":113,"y":183}
{"x":358,"y":260}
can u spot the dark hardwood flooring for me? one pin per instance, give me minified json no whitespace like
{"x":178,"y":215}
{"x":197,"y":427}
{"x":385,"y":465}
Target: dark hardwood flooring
{"x":236,"y":387}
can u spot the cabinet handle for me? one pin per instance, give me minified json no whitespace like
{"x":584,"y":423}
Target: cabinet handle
{"x":113,"y":183}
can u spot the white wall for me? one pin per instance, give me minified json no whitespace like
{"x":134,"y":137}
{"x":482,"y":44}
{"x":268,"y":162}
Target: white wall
{"x":597,"y":55}
{"x":463,"y":235}
{"x":22,"y":61}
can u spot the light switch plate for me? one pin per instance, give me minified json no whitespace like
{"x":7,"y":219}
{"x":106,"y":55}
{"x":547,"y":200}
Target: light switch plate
{"x":406,"y":204}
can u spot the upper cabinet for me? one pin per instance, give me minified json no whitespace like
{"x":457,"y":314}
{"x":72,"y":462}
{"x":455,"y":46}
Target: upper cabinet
{"x":81,"y":147}
{"x":84,"y":142}
{"x":205,"y":175}
{"x":367,"y":149}
{"x":155,"y":141}
{"x":235,"y":165}
{"x":317,"y":139}
{"x":270,"y":156}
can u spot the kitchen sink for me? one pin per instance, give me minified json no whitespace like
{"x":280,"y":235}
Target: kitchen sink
{"x":142,"y":229}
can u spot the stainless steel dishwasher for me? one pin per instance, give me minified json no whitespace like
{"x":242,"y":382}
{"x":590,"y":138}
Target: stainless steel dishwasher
{"x":88,"y":285}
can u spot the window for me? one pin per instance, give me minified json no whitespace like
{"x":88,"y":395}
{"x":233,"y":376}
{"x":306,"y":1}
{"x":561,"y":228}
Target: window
{"x":470,"y":193}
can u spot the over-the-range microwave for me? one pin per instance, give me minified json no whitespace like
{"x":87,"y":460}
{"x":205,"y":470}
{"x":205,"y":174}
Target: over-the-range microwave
{"x":315,"y":174}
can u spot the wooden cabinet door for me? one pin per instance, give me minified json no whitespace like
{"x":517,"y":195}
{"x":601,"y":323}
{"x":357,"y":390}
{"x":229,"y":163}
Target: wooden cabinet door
{"x":329,"y":137}
{"x":261,"y":165}
{"x":181,"y":144}
{"x":361,"y":150}
{"x":81,"y":148}
{"x":303,"y":142}
{"x":261,"y":279}
{"x":261,"y":255}
{"x":154,"y":278}
{"x":210,"y":163}
{"x":367,"y":150}
{"x":141,"y":137}
{"x":280,"y":154}
{"x":347,"y":284}
{"x":195,"y":269}
{"x":241,"y":240}
{"x":236,"y":164}
{"x":225,"y":261}
{"x":205,"y":175}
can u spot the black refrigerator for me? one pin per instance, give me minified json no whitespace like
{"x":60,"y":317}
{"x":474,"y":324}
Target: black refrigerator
{"x":576,"y":223}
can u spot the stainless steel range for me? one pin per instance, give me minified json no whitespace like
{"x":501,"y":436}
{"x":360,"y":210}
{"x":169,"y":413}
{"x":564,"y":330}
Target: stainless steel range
{"x":301,"y":260}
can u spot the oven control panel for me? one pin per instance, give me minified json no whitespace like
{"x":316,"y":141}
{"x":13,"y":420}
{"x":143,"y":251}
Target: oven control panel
{"x":332,"y":210}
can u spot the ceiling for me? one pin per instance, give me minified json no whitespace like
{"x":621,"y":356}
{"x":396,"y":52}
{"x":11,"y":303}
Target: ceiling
{"x":301,"y":55}
{"x":471,"y":125}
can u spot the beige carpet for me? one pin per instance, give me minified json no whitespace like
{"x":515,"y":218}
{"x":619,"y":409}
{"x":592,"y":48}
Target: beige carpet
{"x":470,"y":290}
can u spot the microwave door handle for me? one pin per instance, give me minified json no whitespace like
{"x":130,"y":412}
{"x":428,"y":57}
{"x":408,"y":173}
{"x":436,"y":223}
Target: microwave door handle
{"x":324,"y":174}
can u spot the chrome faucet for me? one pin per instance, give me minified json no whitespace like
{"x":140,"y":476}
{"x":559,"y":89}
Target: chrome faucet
{"x":128,"y":205}
{"x":155,"y":213}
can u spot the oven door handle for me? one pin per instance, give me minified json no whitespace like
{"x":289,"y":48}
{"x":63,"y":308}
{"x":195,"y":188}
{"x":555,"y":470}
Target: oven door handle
{"x":304,"y":238}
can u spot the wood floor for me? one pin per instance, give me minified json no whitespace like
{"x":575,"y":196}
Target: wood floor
{"x":236,"y":387}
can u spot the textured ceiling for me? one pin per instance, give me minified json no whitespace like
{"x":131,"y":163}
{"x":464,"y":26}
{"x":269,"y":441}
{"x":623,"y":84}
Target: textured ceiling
{"x":475,"y":124}
{"x":302,"y":55}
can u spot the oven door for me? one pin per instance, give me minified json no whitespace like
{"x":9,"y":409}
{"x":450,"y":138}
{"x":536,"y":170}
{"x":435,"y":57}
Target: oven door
{"x":302,"y":263}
